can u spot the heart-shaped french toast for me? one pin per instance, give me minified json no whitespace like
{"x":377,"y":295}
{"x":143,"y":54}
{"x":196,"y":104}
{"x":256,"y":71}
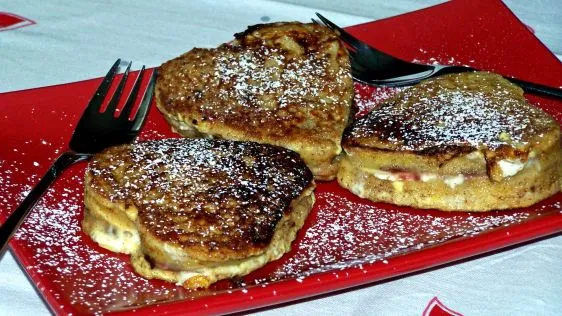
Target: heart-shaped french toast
{"x":287,"y":84}
{"x":194,"y":211}
{"x":458,"y":142}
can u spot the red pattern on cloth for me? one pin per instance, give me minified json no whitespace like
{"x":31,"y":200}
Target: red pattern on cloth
{"x":436,"y":308}
{"x":10,"y":21}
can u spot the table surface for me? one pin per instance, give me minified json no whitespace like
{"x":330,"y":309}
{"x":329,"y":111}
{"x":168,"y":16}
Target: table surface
{"x":74,"y":40}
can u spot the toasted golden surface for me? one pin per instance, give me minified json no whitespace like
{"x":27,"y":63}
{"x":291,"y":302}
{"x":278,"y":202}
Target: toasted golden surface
{"x":449,"y":117}
{"x":451,"y":113}
{"x":287,"y":84}
{"x":458,"y":142}
{"x":115,"y":227}
{"x":216,"y":199}
{"x":194,"y":211}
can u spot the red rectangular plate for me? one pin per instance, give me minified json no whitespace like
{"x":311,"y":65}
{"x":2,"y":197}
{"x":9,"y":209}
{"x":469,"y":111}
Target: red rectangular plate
{"x":346,"y":241}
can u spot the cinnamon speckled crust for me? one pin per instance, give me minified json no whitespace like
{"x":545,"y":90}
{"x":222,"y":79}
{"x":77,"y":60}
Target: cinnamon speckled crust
{"x":208,"y":208}
{"x":453,"y":112}
{"x":458,"y":142}
{"x":287,"y":84}
{"x":220,"y":199}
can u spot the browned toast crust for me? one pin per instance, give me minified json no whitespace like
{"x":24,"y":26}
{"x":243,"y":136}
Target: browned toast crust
{"x":451,"y":116}
{"x":217,"y":200}
{"x":287,"y":84}
{"x":458,"y":142}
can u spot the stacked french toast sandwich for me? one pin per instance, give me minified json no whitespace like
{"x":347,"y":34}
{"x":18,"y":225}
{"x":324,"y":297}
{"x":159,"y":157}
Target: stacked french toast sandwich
{"x":268,"y":114}
{"x":465,"y":141}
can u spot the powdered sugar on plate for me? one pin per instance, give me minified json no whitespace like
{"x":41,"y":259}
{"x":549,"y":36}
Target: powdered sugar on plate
{"x":347,"y":233}
{"x":342,"y":231}
{"x":368,"y":97}
{"x":74,"y":269}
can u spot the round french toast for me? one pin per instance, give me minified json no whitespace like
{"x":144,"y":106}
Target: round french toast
{"x":286,"y":84}
{"x":459,"y":142}
{"x":194,"y":211}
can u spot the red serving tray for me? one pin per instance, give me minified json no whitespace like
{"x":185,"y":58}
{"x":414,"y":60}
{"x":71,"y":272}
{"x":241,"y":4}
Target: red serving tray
{"x":346,"y":241}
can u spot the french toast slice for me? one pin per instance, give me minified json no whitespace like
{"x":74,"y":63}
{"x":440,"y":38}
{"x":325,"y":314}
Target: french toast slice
{"x":286,"y":84}
{"x":458,"y":142}
{"x":194,"y":211}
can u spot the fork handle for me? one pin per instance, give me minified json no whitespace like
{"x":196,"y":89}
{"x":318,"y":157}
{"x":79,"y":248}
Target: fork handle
{"x":15,"y":219}
{"x":536,"y":88}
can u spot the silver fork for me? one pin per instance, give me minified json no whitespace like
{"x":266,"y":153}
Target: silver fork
{"x":372,"y":66}
{"x":95,"y":131}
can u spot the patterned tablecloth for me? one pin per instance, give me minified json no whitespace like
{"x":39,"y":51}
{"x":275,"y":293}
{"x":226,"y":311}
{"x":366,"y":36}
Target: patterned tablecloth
{"x":50,"y":42}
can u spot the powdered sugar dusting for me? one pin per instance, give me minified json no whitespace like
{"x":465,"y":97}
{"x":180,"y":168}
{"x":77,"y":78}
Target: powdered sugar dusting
{"x":347,"y":233}
{"x":471,"y":109}
{"x":438,"y":59}
{"x":68,"y":267}
{"x":368,"y":97}
{"x":289,"y":79}
{"x":259,"y":76}
{"x":71,"y":267}
{"x":191,"y":179}
{"x":341,"y":232}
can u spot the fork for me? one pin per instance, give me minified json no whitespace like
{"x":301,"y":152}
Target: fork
{"x":374,"y":67}
{"x":95,"y":131}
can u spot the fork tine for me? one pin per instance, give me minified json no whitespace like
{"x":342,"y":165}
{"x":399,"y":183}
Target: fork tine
{"x":115,"y":99}
{"x":97,"y":99}
{"x":343,"y":35}
{"x":145,"y":103}
{"x":130,"y":103}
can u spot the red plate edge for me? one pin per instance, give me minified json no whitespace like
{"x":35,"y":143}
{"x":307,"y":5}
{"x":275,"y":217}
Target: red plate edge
{"x":334,"y":280}
{"x":414,"y":261}
{"x":330,"y":281}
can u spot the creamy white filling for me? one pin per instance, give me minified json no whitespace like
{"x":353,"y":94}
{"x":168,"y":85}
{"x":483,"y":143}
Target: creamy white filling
{"x":453,"y":181}
{"x":116,"y":240}
{"x":384,"y":175}
{"x":425,"y":177}
{"x":510,"y":167}
{"x":396,"y":176}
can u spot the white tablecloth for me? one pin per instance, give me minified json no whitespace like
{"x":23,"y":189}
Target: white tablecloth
{"x":75,"y":40}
